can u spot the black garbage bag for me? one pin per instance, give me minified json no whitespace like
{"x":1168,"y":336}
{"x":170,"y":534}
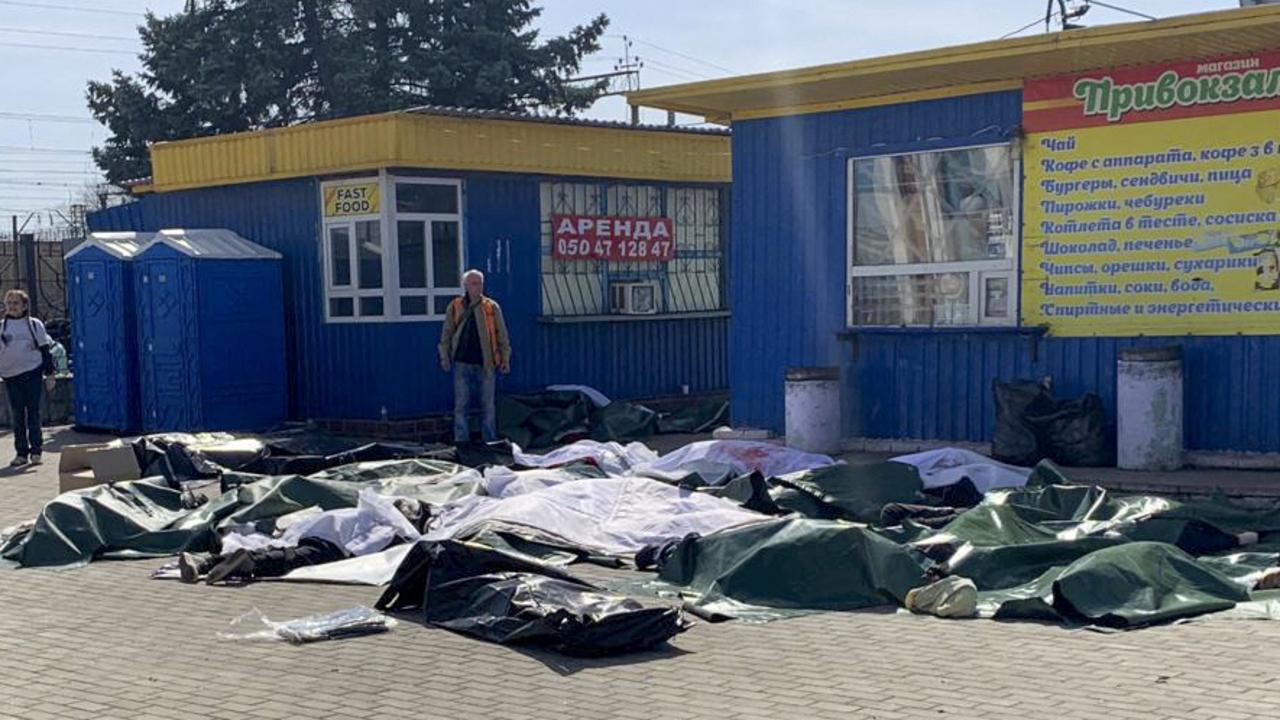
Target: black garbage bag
{"x":1075,"y":433}
{"x":1032,"y":425}
{"x":511,"y":600}
{"x":1016,"y":441}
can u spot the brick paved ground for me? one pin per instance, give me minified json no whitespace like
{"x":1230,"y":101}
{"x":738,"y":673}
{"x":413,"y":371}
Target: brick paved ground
{"x":107,"y":642}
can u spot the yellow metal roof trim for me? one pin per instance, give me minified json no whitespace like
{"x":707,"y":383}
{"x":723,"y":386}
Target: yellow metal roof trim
{"x":1240,"y":30}
{"x":914,"y":96}
{"x":446,"y":142}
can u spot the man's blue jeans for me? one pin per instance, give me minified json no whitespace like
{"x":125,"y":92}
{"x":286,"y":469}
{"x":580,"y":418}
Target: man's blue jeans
{"x":464,"y":376}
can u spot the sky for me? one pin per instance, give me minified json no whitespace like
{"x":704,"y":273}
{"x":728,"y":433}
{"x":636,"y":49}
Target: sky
{"x":50,"y":49}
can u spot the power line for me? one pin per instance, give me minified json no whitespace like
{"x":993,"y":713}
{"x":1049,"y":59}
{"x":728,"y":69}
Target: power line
{"x":42,"y":173}
{"x":1029,"y":25}
{"x":58,"y":151}
{"x":677,"y":53}
{"x":38,"y":117}
{"x":57,"y":33}
{"x":35,"y":185}
{"x":100,"y":51}
{"x":673,"y":69}
{"x":1117,"y":8}
{"x":11,"y":187}
{"x":73,"y":8}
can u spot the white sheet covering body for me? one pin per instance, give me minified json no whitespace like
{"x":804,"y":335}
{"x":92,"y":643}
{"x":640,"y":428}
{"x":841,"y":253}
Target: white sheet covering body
{"x":614,"y":458}
{"x":604,"y":516}
{"x":948,"y":466}
{"x":718,"y":461}
{"x":371,"y":526}
{"x":501,"y":482}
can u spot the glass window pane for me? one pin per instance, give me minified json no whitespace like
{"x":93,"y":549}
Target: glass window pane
{"x":442,"y":304}
{"x":369,"y":252}
{"x":370,"y":307}
{"x":413,"y":305}
{"x":913,"y":300}
{"x":426,"y":198}
{"x":446,"y":257}
{"x":341,"y":307}
{"x":340,"y":256}
{"x":947,"y":206}
{"x":412,"y":239}
{"x":996,"y":300}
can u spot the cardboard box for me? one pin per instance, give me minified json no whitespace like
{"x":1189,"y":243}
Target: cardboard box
{"x":89,"y":464}
{"x":113,"y":464}
{"x":77,"y":480}
{"x":74,"y":471}
{"x":76,"y":457}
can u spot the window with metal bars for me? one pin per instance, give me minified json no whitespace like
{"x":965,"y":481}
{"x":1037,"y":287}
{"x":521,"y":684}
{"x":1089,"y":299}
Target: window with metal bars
{"x":692,"y":281}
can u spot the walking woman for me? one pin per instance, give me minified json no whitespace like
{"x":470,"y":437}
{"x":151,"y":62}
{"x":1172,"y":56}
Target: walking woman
{"x":24,"y":360}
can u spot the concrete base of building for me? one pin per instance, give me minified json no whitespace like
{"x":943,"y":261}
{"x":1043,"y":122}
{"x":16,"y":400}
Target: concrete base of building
{"x":1203,"y":459}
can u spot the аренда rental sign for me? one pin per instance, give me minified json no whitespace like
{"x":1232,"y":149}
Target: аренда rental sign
{"x":621,"y":239}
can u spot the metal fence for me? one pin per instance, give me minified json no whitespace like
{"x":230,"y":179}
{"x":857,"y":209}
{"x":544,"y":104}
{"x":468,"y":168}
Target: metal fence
{"x":693,"y":281}
{"x":35,"y":263}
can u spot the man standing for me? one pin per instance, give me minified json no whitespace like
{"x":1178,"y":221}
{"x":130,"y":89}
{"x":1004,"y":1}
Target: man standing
{"x":474,"y":343}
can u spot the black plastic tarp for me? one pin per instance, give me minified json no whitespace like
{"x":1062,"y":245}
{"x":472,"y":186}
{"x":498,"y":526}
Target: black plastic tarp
{"x":513,"y":600}
{"x":1124,"y":586}
{"x":848,"y":492}
{"x":147,"y":518}
{"x":796,"y":564}
{"x":182,"y":458}
{"x":838,"y":492}
{"x":544,"y":419}
{"x":1075,"y":554}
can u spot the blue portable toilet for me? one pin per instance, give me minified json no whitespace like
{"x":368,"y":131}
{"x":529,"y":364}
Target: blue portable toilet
{"x":104,"y":347}
{"x":211,"y":332}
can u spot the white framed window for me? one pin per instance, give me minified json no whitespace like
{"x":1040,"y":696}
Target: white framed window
{"x":933,"y":238}
{"x":399,"y":260}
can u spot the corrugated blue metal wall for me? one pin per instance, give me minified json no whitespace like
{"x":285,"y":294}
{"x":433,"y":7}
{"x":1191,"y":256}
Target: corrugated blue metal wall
{"x":938,"y":385}
{"x":788,"y":293}
{"x":354,"y":370}
{"x":788,"y":253}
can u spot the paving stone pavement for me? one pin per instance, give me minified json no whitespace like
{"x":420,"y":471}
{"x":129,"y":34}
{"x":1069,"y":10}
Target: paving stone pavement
{"x":106,"y":641}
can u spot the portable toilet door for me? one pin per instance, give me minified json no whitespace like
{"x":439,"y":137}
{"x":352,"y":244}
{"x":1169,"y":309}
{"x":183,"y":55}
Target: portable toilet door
{"x":211,"y":326}
{"x":104,"y":348}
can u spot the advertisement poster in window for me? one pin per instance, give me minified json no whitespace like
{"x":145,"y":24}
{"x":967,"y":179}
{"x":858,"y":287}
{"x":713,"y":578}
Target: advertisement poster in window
{"x":620,"y":239}
{"x":1154,"y":200}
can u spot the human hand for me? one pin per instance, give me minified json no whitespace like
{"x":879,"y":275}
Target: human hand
{"x":50,"y":383}
{"x":505,"y":368}
{"x":445,"y":365}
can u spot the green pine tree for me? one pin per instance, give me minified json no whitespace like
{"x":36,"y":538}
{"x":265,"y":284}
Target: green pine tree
{"x":233,"y":65}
